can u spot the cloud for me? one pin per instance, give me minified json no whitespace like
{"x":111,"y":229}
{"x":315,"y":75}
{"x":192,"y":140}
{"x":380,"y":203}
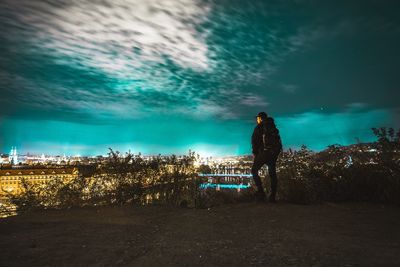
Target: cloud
{"x":357,"y":106}
{"x":119,"y":36}
{"x":252,"y":100}
{"x":110,"y":60}
{"x":120,"y":58}
{"x":290,"y":88}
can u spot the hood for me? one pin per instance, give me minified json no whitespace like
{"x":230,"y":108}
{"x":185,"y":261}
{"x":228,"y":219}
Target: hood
{"x":270,"y":121}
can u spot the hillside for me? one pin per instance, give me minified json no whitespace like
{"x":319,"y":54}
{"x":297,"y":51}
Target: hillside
{"x":352,"y":234}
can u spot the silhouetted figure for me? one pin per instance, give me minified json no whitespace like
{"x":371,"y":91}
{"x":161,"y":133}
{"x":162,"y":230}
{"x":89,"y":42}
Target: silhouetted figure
{"x":266,"y":144}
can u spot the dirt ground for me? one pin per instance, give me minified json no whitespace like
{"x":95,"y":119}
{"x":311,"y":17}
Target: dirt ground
{"x":352,"y":234}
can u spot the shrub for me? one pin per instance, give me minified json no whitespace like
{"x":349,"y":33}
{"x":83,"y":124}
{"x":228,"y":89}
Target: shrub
{"x":366,"y":172}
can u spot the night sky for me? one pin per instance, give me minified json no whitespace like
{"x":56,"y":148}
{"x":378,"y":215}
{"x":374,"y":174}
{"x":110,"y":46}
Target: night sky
{"x":77,"y":77}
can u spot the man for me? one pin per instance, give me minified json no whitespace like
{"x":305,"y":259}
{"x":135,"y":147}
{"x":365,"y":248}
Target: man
{"x":266,"y":144}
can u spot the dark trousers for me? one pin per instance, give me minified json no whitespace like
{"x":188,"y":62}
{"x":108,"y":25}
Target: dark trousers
{"x":259,"y":160}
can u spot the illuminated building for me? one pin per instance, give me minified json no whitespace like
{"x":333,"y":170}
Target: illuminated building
{"x":13,"y":157}
{"x":10,"y":179}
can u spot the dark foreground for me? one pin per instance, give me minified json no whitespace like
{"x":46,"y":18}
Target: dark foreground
{"x":231,"y":235}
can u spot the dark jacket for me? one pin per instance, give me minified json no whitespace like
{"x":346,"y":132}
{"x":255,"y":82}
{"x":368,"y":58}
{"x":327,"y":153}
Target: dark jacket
{"x":271,"y":142}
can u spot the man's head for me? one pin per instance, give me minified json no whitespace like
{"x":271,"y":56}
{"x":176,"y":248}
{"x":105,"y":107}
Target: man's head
{"x":261,"y":116}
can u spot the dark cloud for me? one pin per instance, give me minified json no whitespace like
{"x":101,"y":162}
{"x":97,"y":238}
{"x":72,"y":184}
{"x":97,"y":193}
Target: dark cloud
{"x":106,"y":62}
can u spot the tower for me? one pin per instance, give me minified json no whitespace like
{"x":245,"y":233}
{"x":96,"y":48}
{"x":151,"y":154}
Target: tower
{"x":10,"y":155}
{"x":13,"y":157}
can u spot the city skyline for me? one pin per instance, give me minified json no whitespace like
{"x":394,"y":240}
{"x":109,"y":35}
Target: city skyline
{"x":169,"y":76}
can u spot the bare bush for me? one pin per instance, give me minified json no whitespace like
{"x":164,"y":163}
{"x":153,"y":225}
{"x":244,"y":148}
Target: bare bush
{"x":366,"y":172}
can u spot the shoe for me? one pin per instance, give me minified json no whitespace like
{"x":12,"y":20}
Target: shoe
{"x":271,"y":199}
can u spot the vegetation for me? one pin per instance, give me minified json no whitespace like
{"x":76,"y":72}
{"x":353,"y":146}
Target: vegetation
{"x":362,"y":172}
{"x":354,"y":173}
{"x":123,"y":179}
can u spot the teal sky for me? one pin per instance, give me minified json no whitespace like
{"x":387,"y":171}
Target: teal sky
{"x":78,"y":77}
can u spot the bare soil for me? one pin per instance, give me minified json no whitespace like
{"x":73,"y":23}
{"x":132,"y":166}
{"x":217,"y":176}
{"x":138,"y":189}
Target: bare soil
{"x":351,"y":234}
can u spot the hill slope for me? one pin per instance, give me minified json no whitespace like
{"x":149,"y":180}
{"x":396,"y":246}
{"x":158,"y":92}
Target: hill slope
{"x":237,"y":235}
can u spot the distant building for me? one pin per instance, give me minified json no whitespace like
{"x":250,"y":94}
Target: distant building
{"x":13,"y":157}
{"x":10,"y":179}
{"x":3,"y":159}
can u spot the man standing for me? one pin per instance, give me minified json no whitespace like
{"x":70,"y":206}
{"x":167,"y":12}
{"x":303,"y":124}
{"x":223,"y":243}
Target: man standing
{"x":266,"y":145}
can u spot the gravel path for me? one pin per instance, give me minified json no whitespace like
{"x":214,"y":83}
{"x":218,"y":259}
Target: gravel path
{"x":351,"y":234}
